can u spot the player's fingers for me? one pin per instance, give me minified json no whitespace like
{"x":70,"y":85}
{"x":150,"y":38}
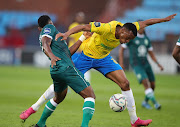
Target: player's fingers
{"x":58,"y":58}
{"x":58,"y":35}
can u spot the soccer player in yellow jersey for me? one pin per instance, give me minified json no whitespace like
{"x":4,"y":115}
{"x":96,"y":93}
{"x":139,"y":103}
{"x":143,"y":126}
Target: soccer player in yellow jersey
{"x":96,"y":54}
{"x":79,"y":20}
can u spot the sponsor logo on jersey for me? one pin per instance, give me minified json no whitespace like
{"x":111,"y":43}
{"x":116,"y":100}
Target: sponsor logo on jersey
{"x":146,"y":42}
{"x":47,"y":30}
{"x":97,"y":24}
{"x":137,"y":42}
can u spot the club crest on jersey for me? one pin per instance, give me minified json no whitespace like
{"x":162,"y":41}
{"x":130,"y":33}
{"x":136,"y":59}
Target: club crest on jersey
{"x":47,"y":30}
{"x":97,"y":24}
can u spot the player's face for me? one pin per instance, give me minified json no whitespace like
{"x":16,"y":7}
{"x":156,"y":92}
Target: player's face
{"x":125,"y":36}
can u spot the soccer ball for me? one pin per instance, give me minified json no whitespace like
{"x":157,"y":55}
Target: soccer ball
{"x":118,"y":102}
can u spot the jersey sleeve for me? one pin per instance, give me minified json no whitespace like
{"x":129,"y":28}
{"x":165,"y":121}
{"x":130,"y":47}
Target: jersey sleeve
{"x":100,"y":28}
{"x":137,"y":25}
{"x":178,"y":42}
{"x":49,"y":31}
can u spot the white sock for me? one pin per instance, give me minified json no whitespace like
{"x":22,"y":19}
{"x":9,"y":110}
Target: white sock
{"x":53,"y":103}
{"x":148,"y":91}
{"x":48,"y":94}
{"x":130,"y":105}
{"x":87,"y":76}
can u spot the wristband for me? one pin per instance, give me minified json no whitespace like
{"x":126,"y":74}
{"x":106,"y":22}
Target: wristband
{"x":82,"y":38}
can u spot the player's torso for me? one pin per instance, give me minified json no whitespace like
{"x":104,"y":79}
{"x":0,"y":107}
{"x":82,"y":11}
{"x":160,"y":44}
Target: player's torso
{"x":99,"y":46}
{"x":138,"y":49}
{"x":60,"y":49}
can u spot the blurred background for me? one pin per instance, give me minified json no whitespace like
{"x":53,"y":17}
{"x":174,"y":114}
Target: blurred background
{"x":19,"y":43}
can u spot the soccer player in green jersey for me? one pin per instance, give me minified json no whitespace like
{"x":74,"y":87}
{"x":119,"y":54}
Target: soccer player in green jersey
{"x":63,"y":72}
{"x":176,"y":51}
{"x":139,"y":48}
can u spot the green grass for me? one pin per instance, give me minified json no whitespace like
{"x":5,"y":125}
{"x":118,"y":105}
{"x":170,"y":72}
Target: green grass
{"x":20,"y":87}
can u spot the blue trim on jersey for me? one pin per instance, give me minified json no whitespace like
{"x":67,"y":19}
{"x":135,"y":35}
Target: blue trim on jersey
{"x":84,"y":63}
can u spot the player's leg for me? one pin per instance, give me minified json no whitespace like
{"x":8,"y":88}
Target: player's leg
{"x":89,"y":105}
{"x":148,"y":92}
{"x":76,"y":81}
{"x":87,"y":76}
{"x":112,"y":70}
{"x":143,"y":79}
{"x":50,"y":107}
{"x":151,"y":78}
{"x":119,"y":78}
{"x":60,"y":89}
{"x":48,"y":94}
{"x":152,"y":85}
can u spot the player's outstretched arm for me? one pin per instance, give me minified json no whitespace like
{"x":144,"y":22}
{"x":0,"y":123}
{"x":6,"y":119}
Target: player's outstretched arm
{"x":176,"y":53}
{"x":76,"y":45}
{"x":153,"y":57}
{"x":86,"y":27}
{"x":46,"y":42}
{"x":149,"y":22}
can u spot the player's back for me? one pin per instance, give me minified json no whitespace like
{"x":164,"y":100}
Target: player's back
{"x":59,"y":48}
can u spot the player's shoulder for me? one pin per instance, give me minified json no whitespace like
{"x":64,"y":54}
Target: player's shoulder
{"x":115,"y":23}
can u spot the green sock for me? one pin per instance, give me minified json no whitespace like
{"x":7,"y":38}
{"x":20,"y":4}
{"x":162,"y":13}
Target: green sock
{"x":151,"y":97}
{"x":88,"y":111}
{"x":48,"y":110}
{"x":146,"y":99}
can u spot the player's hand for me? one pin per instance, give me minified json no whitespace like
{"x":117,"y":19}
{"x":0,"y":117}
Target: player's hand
{"x":160,"y":67}
{"x":54,"y":59}
{"x":87,"y":34}
{"x":169,"y":17}
{"x":63,"y":35}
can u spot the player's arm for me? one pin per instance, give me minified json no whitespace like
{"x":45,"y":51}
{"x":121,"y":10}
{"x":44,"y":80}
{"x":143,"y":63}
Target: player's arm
{"x":46,"y":42}
{"x":176,"y":53}
{"x":121,"y":57}
{"x":153,"y":57}
{"x":149,"y":22}
{"x":76,"y":29}
{"x":76,"y":45}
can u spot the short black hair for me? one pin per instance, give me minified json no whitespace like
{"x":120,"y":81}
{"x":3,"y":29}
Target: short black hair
{"x":43,"y":20}
{"x":131,"y":27}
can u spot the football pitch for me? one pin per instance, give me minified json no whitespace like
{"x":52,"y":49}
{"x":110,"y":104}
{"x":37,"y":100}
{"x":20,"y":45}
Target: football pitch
{"x":20,"y":87}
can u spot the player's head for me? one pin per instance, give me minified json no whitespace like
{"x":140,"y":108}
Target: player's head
{"x":80,"y":17}
{"x":127,"y":32}
{"x":44,"y":20}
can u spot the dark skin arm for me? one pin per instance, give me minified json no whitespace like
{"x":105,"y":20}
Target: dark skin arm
{"x":155,"y":60}
{"x":121,"y":57}
{"x":149,"y":22}
{"x":46,"y":42}
{"x":176,"y":53}
{"x":76,"y":45}
{"x":86,"y":27}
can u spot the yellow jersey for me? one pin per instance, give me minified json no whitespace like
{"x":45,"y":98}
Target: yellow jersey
{"x":74,"y":37}
{"x":103,"y":40}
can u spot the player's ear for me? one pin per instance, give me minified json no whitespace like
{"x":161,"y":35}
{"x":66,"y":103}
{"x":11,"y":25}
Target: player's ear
{"x":39,"y":28}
